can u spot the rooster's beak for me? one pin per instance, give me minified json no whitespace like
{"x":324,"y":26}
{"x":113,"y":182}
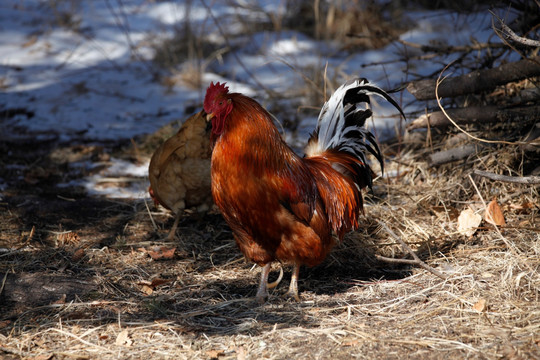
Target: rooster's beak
{"x":209,"y":116}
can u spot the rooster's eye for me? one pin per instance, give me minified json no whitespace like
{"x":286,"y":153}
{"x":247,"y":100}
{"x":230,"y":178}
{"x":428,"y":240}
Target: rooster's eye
{"x":221,"y":103}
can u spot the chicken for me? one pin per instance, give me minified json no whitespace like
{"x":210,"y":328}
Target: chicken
{"x":280,"y":206}
{"x":179,"y":170}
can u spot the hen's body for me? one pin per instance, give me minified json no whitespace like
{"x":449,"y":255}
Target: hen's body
{"x":179,"y":170}
{"x":281,"y":206}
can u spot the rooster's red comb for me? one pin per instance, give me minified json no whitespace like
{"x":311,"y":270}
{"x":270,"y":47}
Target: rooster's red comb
{"x":211,"y":93}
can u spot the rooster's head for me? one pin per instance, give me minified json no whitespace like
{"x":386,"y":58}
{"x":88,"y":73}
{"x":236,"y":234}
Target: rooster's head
{"x":217,"y":105}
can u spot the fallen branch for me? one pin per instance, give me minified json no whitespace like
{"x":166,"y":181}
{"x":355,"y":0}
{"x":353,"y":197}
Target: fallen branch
{"x":395,"y":261}
{"x":527,"y":95}
{"x":415,"y":261}
{"x":511,"y":179}
{"x":451,"y":155}
{"x":476,"y":81}
{"x":471,"y":114}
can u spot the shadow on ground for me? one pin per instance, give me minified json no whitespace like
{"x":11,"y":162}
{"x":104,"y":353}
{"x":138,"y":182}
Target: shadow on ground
{"x":65,"y":254}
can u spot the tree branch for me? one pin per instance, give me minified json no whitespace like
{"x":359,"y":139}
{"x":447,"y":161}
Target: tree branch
{"x":455,"y":154}
{"x":476,"y":81}
{"x":508,"y":34}
{"x":511,"y":179}
{"x":471,"y":114}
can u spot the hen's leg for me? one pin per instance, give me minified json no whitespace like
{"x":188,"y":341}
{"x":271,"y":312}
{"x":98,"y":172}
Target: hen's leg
{"x":293,"y":287}
{"x":262,"y":292}
{"x":172,"y":233}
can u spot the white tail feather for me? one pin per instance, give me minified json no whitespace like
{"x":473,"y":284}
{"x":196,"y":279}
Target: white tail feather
{"x":341,"y":123}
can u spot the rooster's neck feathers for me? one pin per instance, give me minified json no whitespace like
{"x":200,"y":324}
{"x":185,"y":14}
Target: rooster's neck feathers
{"x":250,"y":132}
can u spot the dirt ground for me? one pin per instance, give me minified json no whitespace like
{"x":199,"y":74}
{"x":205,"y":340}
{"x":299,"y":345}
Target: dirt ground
{"x":90,"y":277}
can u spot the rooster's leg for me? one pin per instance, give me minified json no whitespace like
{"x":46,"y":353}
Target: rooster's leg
{"x":293,"y":287}
{"x":172,"y":233}
{"x":262,"y":292}
{"x":276,"y":283}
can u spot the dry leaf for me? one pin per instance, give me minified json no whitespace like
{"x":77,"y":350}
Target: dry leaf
{"x":158,"y":281}
{"x":62,"y":300}
{"x":524,"y":223}
{"x":522,"y":208}
{"x":161,"y":252}
{"x":148,"y":287}
{"x":241,"y":353}
{"x":5,"y":323}
{"x":77,"y":255}
{"x":147,"y":290}
{"x":447,"y":212}
{"x":480,"y":305}
{"x":44,"y":357}
{"x":352,"y":342}
{"x":214,"y":354}
{"x":67,"y":238}
{"x":123,"y":339}
{"x":494,"y":214}
{"x":468,"y":221}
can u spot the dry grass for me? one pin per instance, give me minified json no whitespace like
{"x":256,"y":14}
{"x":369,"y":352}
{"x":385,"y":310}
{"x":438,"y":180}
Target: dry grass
{"x":352,"y":305}
{"x":98,"y":293}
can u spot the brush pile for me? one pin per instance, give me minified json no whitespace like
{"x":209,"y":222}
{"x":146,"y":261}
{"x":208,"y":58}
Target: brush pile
{"x":492,"y":107}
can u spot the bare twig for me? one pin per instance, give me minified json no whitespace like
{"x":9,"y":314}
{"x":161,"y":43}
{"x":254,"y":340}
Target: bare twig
{"x":3,"y":282}
{"x":408,"y":249}
{"x":88,"y":343}
{"x":506,"y":33}
{"x":240,"y":62}
{"x":122,"y":22}
{"x":510,"y":179}
{"x":396,"y":261}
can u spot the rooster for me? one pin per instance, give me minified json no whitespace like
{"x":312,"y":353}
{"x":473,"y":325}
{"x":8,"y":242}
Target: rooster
{"x":179,"y":170}
{"x":280,"y":206}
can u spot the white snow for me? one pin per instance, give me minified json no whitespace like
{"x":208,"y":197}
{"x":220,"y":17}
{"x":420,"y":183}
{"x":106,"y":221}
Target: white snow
{"x":93,"y":79}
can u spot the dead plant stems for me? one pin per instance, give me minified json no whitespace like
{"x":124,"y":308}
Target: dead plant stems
{"x":240,"y":62}
{"x":408,"y":249}
{"x":510,"y":246}
{"x":150,"y":215}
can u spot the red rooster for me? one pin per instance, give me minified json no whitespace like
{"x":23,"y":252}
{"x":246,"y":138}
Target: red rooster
{"x":280,"y":206}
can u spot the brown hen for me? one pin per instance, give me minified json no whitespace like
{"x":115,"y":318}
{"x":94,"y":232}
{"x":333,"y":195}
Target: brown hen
{"x":179,"y":170}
